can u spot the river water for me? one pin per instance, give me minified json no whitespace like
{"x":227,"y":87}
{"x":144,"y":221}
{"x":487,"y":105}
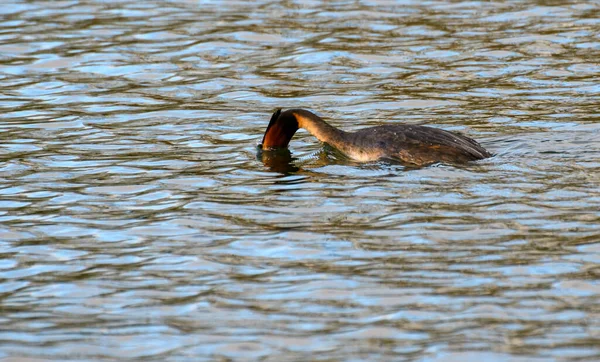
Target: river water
{"x":139,"y":222}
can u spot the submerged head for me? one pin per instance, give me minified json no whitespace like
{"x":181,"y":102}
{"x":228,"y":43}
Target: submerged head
{"x":281,"y":129}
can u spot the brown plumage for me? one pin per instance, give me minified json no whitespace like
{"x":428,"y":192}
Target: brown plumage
{"x":410,"y":144}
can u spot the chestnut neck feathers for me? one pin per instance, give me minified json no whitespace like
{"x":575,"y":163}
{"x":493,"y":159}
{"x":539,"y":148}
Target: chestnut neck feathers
{"x":283,"y":126}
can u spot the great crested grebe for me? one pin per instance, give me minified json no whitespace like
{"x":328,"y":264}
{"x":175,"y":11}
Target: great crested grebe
{"x":410,"y":144}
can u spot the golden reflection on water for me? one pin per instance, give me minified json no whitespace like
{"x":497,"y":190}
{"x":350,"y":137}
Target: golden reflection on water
{"x":279,"y":161}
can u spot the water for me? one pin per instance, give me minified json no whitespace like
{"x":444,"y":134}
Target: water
{"x":138,"y":221}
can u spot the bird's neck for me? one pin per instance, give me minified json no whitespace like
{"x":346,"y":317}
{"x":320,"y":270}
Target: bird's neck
{"x":324,"y":132}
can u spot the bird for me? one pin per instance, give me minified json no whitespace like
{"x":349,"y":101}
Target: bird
{"x":408,"y":144}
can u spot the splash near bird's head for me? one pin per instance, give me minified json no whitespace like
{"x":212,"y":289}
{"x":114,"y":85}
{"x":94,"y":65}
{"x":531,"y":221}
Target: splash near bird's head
{"x":280,"y":130}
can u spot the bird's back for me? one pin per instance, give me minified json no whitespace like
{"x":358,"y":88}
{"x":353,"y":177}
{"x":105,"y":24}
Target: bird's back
{"x":418,"y":145}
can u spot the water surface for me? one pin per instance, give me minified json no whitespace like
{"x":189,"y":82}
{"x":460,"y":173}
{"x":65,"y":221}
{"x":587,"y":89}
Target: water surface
{"x":138,"y":221}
